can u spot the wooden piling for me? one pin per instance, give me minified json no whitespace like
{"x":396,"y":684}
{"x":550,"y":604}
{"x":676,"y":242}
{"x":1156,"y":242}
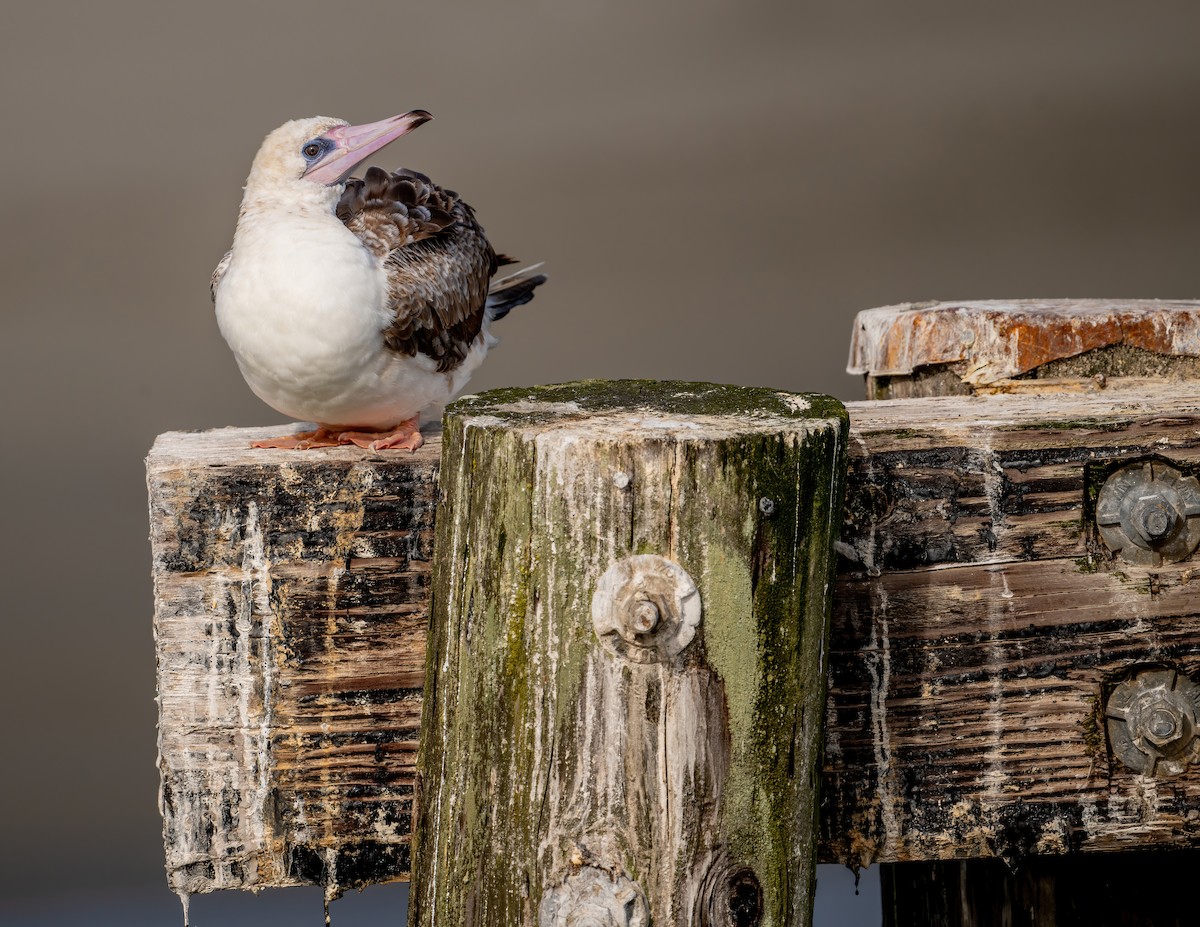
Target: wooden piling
{"x":626,"y":660}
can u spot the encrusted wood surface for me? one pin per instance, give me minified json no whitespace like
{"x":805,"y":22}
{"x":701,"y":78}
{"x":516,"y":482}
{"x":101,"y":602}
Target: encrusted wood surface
{"x":572,"y":774}
{"x":291,"y":594}
{"x":979,"y":624}
{"x":959,"y":348}
{"x":968,"y":669}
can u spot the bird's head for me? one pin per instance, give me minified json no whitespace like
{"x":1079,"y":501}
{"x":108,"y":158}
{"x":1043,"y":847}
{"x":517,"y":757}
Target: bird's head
{"x":312,"y":155}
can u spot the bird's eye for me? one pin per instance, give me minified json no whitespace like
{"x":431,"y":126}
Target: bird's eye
{"x":311,"y":150}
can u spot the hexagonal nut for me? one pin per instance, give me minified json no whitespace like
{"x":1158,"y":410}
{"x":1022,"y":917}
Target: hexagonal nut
{"x":1167,"y":726}
{"x":1152,"y":720}
{"x":592,"y":897}
{"x":1149,"y":513}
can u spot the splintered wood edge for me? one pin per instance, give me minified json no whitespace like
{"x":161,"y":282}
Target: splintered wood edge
{"x":1026,"y":412}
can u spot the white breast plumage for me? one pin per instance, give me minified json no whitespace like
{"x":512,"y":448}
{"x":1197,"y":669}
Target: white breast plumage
{"x":355,"y":305}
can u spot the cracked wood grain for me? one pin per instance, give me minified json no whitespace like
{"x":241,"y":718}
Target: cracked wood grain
{"x":682,"y":769}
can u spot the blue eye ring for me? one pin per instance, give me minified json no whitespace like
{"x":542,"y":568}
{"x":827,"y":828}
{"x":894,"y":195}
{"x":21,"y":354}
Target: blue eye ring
{"x":312,"y":150}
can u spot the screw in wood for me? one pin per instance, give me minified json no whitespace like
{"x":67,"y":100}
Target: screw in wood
{"x":1152,"y":721}
{"x":766,"y":506}
{"x":1149,"y":513}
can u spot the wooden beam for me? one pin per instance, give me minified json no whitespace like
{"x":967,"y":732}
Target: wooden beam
{"x":960,"y":666}
{"x":980,"y":623}
{"x":1085,"y":890}
{"x":1047,"y":349}
{"x":1045,"y":345}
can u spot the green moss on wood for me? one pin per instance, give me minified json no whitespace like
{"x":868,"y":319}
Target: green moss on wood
{"x":522,"y":540}
{"x":1071,"y":424}
{"x":668,"y":397}
{"x":1094,"y":736}
{"x":1119,"y":360}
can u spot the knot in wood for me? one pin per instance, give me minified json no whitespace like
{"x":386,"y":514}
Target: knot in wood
{"x":1149,"y":513}
{"x":593,"y":897}
{"x":646,"y":608}
{"x":1152,"y":722}
{"x":730,"y":896}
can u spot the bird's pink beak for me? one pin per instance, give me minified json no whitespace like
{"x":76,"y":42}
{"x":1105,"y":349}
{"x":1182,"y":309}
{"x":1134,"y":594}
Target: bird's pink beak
{"x":354,"y":144}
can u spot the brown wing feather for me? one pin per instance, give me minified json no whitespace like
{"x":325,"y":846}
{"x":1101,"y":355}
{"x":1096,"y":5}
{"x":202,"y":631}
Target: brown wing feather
{"x":437,"y":259}
{"x":218,"y":274}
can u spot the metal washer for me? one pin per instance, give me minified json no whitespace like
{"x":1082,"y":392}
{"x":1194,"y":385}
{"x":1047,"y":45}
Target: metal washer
{"x":1133,"y":711}
{"x":1149,"y":513}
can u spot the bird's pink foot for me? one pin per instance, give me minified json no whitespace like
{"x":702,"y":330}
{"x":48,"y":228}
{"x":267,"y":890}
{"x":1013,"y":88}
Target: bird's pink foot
{"x":322,"y":437}
{"x":404,"y":437}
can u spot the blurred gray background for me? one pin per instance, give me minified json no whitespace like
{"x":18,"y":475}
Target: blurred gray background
{"x":715,"y":187}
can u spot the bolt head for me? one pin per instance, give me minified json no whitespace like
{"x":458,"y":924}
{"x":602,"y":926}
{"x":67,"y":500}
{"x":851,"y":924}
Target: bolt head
{"x":1152,"y":722}
{"x":1163,"y":725}
{"x":1154,"y":517}
{"x":645,"y":609}
{"x":645,"y":617}
{"x":593,"y":898}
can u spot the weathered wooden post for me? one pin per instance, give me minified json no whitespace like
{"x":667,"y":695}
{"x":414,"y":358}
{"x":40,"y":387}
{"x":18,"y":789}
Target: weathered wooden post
{"x":626,"y":661}
{"x":1032,"y":581}
{"x":290,"y":606}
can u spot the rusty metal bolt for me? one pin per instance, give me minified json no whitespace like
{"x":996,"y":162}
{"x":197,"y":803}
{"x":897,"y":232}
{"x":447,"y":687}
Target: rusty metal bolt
{"x":1164,"y":726}
{"x":1153,"y":721}
{"x":646,"y":608}
{"x":1154,"y":517}
{"x":644,"y":616}
{"x":592,"y":897}
{"x":1149,"y":513}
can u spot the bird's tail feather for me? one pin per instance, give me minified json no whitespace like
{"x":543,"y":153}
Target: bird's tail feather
{"x":516,"y":289}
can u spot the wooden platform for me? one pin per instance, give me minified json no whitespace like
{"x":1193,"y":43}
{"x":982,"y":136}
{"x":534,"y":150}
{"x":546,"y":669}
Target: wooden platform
{"x":978,"y":626}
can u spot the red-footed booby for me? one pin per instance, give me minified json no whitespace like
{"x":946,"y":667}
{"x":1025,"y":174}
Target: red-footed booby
{"x":354,"y":303}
